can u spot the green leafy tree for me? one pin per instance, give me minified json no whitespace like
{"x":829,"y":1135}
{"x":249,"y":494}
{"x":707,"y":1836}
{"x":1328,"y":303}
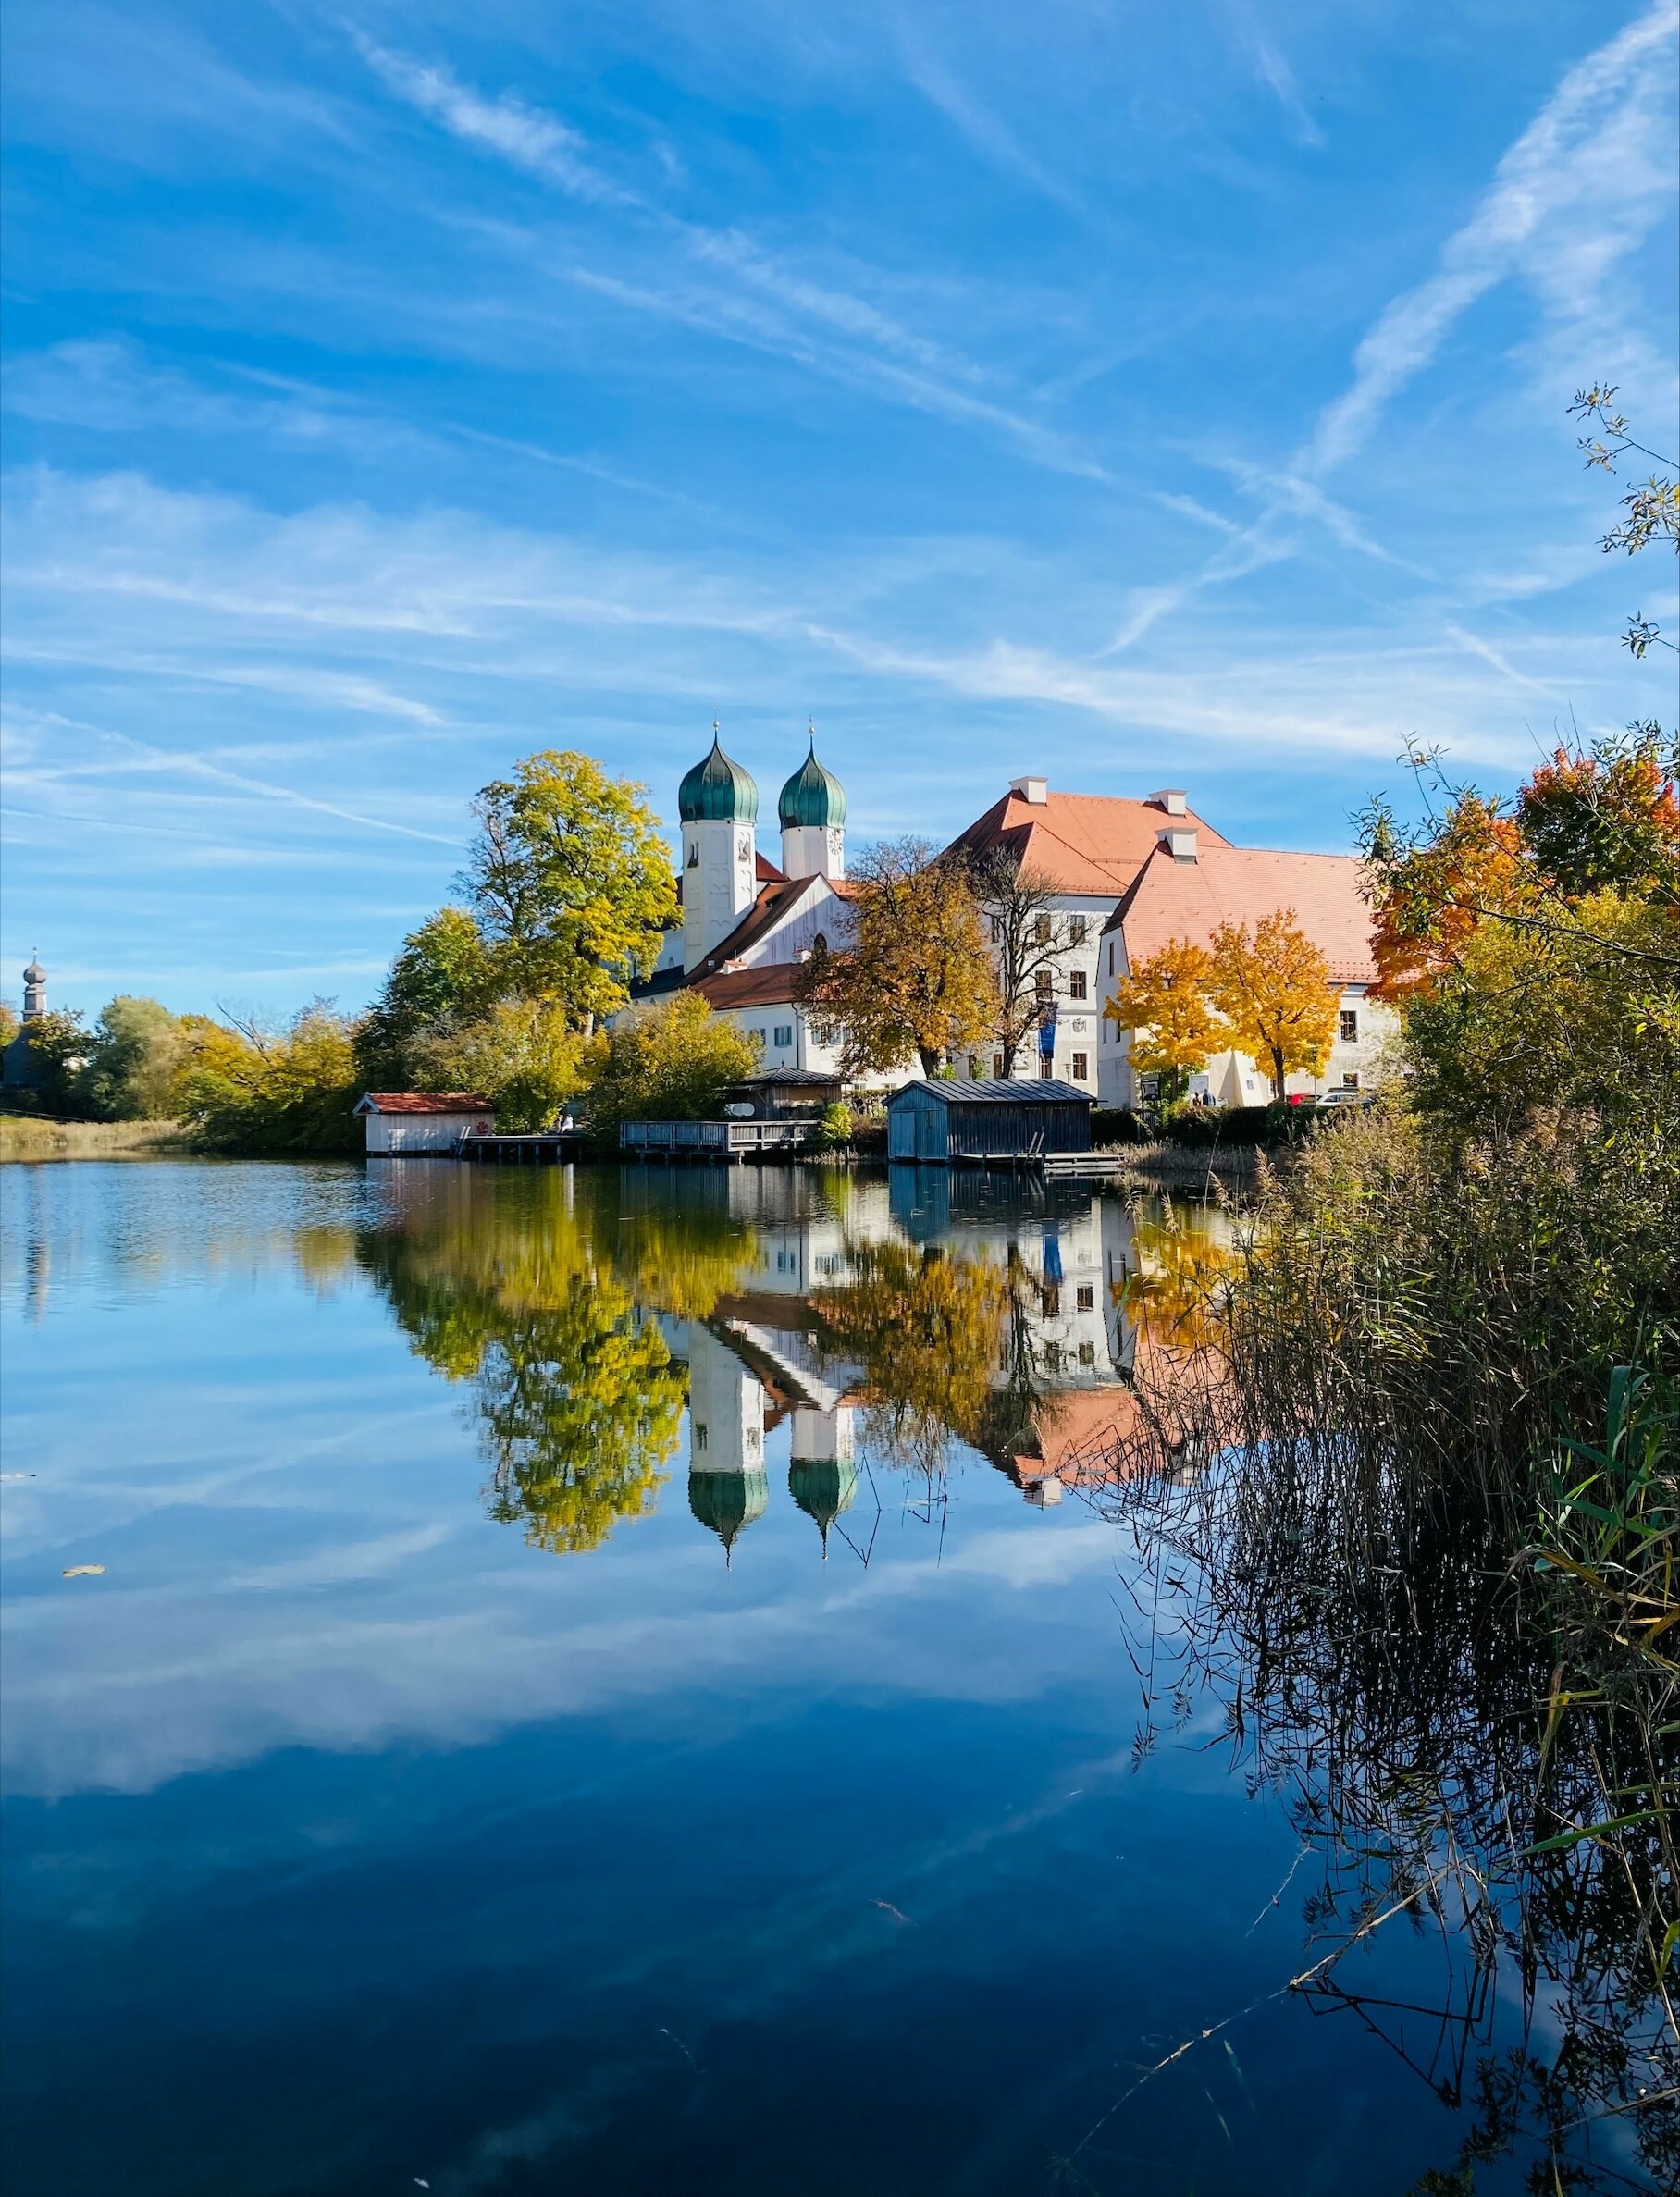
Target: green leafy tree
{"x":58,"y":1044}
{"x":523,"y":1054}
{"x":10,"y":1023}
{"x":576,"y":1396}
{"x":1542,"y":948}
{"x":1607,"y":817}
{"x":670,"y":1061}
{"x":255,"y":1089}
{"x":570,"y":883}
{"x":138,"y":1056}
{"x":443,"y":975}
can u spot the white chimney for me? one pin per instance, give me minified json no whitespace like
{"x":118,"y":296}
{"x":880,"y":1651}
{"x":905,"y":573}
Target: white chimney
{"x":1173,"y":799}
{"x":1035,"y":790}
{"x":1181,"y":846}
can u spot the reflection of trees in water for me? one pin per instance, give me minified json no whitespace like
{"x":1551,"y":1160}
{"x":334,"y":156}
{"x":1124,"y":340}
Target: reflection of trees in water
{"x":1396,"y":1688}
{"x":926,"y":1325}
{"x":949,"y":1348}
{"x":534,"y":1297}
{"x":1181,"y":1258}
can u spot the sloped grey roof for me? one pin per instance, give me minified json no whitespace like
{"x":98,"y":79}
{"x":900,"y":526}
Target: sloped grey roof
{"x":997,"y":1091}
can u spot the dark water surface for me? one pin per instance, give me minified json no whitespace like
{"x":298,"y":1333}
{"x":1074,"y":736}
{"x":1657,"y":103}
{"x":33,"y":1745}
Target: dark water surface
{"x":618,"y":1683}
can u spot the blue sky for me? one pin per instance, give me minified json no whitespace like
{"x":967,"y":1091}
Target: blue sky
{"x":1139,"y":395}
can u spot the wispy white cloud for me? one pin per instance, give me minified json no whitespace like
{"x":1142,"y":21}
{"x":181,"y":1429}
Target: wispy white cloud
{"x":529,"y":139}
{"x":763,"y":300}
{"x":1587,"y":177}
{"x":1502,"y":664}
{"x":985,"y":130}
{"x":1276,"y":74}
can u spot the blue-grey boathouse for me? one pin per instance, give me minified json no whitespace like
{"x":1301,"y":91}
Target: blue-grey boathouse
{"x":937,"y":1122}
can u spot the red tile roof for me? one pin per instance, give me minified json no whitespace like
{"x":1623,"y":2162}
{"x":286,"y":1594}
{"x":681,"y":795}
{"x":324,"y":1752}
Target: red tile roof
{"x":428,"y":1101}
{"x":1082,"y":843}
{"x":1243,"y":884}
{"x":771,"y":984}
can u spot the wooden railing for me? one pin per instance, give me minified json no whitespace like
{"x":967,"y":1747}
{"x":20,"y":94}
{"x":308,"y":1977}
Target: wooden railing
{"x":722,"y":1140}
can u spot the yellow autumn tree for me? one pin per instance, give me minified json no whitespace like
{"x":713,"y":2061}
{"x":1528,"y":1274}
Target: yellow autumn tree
{"x":1165,"y":1005}
{"x":1273,"y":988}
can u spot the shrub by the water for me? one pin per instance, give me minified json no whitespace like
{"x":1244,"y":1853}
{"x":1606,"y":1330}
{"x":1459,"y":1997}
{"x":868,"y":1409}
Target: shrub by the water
{"x":1114,"y":1125}
{"x":1200,"y":1126}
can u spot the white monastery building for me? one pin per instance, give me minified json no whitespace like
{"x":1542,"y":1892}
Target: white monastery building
{"x":1123,"y":877}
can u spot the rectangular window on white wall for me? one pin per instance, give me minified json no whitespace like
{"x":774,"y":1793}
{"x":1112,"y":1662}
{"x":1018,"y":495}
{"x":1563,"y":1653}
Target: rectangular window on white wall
{"x":784,"y":1033}
{"x":1350,"y":1025}
{"x":1076,"y":931}
{"x":1081,"y":1068}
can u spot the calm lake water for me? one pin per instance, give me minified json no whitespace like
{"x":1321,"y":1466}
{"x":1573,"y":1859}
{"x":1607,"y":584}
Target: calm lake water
{"x":624,"y":1682}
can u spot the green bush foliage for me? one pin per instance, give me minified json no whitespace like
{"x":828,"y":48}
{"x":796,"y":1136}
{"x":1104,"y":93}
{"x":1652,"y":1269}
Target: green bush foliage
{"x":670,"y":1061}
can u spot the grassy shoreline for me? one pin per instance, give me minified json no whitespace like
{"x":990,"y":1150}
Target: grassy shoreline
{"x":30,"y":1137}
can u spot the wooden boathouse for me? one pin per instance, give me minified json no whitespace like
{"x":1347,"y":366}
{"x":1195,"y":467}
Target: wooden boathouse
{"x":936,"y":1123}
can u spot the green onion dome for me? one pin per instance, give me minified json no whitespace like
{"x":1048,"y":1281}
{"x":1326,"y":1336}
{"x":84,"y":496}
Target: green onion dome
{"x":812,"y":796}
{"x":728,"y":1501}
{"x":822,"y":1488}
{"x":718,"y":791}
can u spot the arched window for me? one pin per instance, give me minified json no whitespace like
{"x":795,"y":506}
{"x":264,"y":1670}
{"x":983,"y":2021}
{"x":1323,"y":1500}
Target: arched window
{"x":820,"y":944}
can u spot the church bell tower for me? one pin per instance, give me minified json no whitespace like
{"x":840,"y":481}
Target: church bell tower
{"x":718,"y":805}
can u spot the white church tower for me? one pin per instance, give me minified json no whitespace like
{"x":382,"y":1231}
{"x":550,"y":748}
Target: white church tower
{"x":812,"y":815}
{"x":718,"y":804}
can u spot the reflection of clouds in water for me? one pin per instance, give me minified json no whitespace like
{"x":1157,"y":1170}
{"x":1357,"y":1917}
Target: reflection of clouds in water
{"x":209,"y":1681}
{"x":221,"y":1407}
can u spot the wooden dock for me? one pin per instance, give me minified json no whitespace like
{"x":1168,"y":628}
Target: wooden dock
{"x":548,"y":1148}
{"x":729,"y":1141}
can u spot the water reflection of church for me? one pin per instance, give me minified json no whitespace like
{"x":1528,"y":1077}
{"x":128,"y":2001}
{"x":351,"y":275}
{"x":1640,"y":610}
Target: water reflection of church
{"x":867,"y":1330}
{"x":773,"y":1350}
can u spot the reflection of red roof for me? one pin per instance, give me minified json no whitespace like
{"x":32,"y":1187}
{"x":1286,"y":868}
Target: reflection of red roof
{"x":425,"y":1102}
{"x":1079,"y":1429}
{"x":1079,"y":843}
{"x":1244,"y":884}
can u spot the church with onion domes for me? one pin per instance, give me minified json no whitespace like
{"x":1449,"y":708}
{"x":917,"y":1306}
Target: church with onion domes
{"x":748,"y":924}
{"x":1120,"y":877}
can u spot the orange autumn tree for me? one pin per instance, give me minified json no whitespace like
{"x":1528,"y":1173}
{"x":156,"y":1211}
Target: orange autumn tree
{"x":1607,"y":819}
{"x":1273,"y":988}
{"x":1432,"y":893}
{"x":1165,"y":1003}
{"x":1601,"y":820}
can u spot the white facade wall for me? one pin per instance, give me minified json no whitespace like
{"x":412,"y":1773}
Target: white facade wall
{"x":725,"y":1407}
{"x":397,"y":1136}
{"x":720,"y":883}
{"x":813,"y":850}
{"x":1078,"y":920}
